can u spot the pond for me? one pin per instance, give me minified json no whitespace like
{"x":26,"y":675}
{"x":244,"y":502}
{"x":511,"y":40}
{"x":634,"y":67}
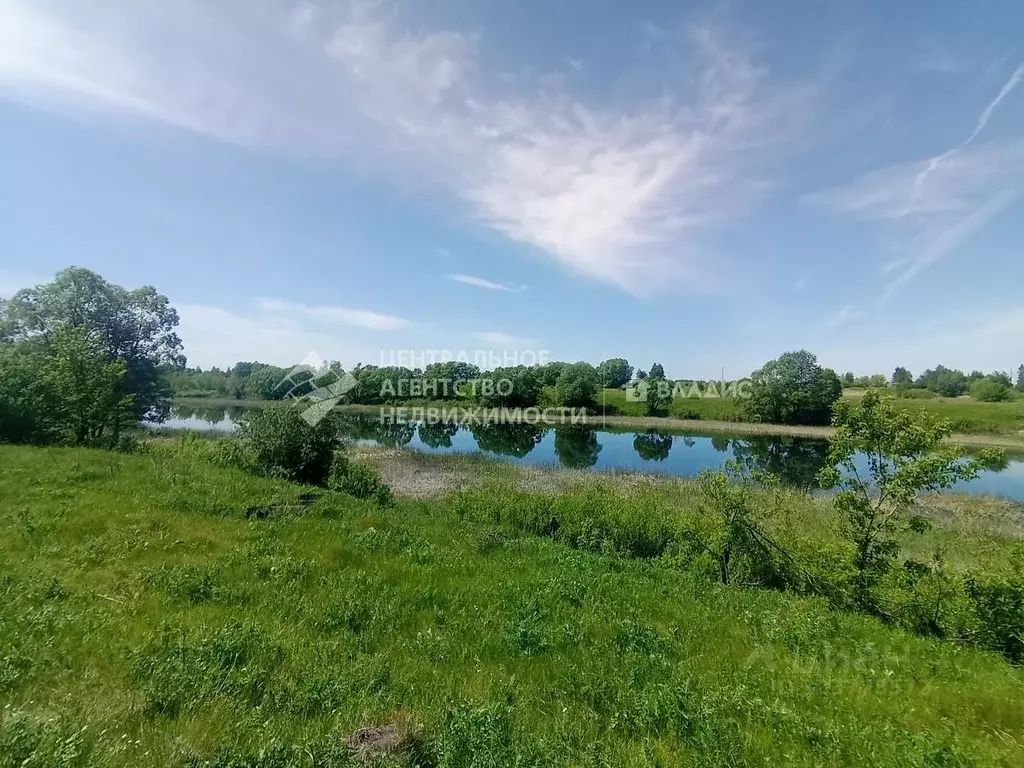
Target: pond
{"x":796,"y":460}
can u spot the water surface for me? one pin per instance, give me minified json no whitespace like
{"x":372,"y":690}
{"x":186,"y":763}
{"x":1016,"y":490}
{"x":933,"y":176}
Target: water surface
{"x":795,"y":460}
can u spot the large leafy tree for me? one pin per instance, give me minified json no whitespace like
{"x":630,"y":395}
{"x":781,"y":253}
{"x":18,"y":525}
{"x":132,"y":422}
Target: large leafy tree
{"x":577,"y":385}
{"x":615,"y":372}
{"x":135,"y":327}
{"x":944,"y":381}
{"x":657,"y":371}
{"x":794,"y":389}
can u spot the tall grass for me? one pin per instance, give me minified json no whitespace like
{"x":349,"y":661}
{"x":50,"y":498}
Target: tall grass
{"x":146,"y":620}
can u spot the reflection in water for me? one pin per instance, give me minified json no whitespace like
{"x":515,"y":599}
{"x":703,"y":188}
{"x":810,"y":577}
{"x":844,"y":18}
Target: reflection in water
{"x":795,"y":460}
{"x":438,"y":434}
{"x":507,"y":439}
{"x":652,"y":446}
{"x":576,"y":447}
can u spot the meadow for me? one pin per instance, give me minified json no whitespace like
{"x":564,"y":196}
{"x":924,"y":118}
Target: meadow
{"x":160,"y":610}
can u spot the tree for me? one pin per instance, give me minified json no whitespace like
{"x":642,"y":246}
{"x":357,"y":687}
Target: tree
{"x":577,"y":386}
{"x":902,"y":378}
{"x":794,"y":389}
{"x":135,"y":327}
{"x":944,"y":381}
{"x":652,"y":446}
{"x":614,"y":373}
{"x":657,"y":372}
{"x":657,"y":395}
{"x":905,"y":454}
{"x":61,"y":389}
{"x":514,"y":387}
{"x":641,"y":374}
{"x":848,"y":379}
{"x":92,"y":403}
{"x":1020,"y":378}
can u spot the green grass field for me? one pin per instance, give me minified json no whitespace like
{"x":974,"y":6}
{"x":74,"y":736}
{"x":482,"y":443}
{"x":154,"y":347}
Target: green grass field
{"x":147,"y":620}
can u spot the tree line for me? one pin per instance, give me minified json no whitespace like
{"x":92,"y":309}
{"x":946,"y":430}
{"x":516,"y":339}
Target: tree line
{"x":82,"y":359}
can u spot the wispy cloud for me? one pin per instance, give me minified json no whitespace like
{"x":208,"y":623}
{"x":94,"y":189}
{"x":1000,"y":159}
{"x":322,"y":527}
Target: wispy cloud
{"x":480,"y":282}
{"x":845,"y":315}
{"x":355,"y":318}
{"x":932,"y":207}
{"x":622,"y":193}
{"x":500,"y":339}
{"x":983,"y":119}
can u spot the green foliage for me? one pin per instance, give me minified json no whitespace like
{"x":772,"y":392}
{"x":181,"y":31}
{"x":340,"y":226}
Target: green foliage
{"x":657,"y":394}
{"x":998,"y":604}
{"x":794,"y":389}
{"x":576,"y":447}
{"x":358,"y":480}
{"x":577,"y":386}
{"x":278,"y":442}
{"x":944,"y":381}
{"x":656,"y":372}
{"x":134,"y":327}
{"x":62,"y":389}
{"x":991,"y":390}
{"x":902,"y":378}
{"x":905,"y":455}
{"x":614,"y":373}
{"x":513,"y":387}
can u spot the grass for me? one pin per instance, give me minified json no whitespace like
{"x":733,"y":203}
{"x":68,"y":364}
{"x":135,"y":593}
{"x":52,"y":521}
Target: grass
{"x":146,"y":620}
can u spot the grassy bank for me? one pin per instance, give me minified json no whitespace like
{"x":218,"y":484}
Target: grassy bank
{"x":148,"y":620}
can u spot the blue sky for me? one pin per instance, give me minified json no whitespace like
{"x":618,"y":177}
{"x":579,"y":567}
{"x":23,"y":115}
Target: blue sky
{"x":706,"y":186}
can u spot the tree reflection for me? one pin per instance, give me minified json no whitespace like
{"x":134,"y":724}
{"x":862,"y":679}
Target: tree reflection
{"x":508,"y":439}
{"x":652,"y":446}
{"x":386,"y":432}
{"x":438,"y":434}
{"x":576,"y":447}
{"x":796,"y":461}
{"x":720,"y":443}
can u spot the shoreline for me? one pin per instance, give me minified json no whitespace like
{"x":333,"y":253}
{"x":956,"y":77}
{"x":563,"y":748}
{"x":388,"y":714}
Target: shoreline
{"x":666,"y":423}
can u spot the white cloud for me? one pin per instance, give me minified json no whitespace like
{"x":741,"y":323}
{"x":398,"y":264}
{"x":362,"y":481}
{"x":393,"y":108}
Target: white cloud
{"x":480,"y":282}
{"x":500,"y":339}
{"x":620,"y":193}
{"x":355,"y":318}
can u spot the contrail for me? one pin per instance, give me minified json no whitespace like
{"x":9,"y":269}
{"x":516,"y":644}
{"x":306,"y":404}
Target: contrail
{"x":934,"y":163}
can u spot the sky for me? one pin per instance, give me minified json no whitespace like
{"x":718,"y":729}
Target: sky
{"x":702,"y":185}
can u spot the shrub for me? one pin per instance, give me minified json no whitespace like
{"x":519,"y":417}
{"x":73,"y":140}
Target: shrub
{"x":278,"y":442}
{"x":905,"y":455}
{"x":359,"y":480}
{"x":989,"y":390}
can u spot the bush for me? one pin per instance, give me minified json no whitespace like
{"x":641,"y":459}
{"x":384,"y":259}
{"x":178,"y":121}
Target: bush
{"x":359,"y":480}
{"x":576,"y":386}
{"x":989,"y":390}
{"x":278,"y":442}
